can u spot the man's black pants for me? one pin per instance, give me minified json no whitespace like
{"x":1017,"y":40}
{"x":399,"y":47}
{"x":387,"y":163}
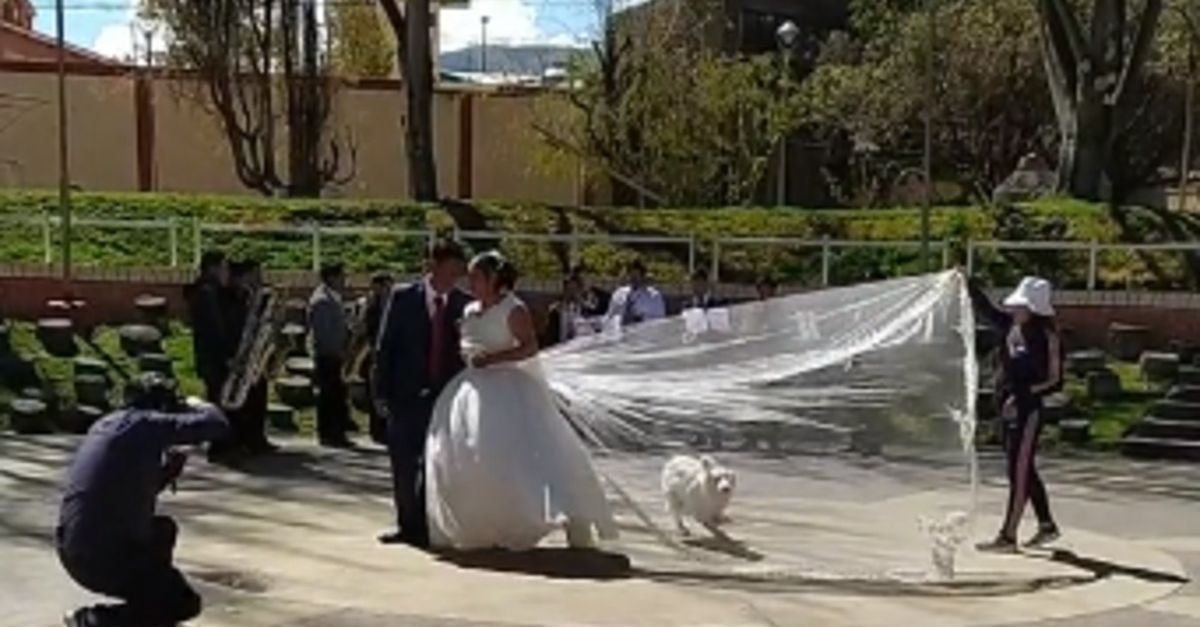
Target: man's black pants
{"x":333,"y":400}
{"x":153,"y":591}
{"x":407,"y":429}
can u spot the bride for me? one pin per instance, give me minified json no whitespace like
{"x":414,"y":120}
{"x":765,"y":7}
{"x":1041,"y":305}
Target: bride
{"x":503,"y":468}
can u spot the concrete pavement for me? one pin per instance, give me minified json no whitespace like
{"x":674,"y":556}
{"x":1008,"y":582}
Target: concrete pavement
{"x":819,"y":541}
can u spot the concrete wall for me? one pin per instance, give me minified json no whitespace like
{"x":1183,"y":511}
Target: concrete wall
{"x":484,"y":144}
{"x":103,"y":127}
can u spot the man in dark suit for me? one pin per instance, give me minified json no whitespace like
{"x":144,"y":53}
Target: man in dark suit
{"x":214,"y":343}
{"x":416,"y":355}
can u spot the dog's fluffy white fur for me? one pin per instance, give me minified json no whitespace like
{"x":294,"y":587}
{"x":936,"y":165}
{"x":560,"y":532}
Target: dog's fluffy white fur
{"x":698,"y":488}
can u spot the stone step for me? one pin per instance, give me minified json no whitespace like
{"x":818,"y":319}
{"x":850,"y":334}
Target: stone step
{"x":1188,"y":375}
{"x":1162,"y":428}
{"x":1184,"y":393}
{"x":1175,"y":410}
{"x":1160,"y":448}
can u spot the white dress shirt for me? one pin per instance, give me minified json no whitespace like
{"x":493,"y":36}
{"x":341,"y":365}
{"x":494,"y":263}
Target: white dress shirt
{"x":643,"y":303}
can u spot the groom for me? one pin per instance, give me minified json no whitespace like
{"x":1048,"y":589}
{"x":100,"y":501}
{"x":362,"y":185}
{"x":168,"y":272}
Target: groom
{"x":417,"y":353}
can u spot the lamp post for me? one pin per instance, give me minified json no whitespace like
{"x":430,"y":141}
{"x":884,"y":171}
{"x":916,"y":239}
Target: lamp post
{"x":786,"y":37}
{"x":483,"y":23}
{"x":927,"y":165}
{"x":64,"y":172}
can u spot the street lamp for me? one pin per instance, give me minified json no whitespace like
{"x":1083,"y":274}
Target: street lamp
{"x":927,"y":204}
{"x":64,"y":172}
{"x":483,"y":22}
{"x":786,"y":37}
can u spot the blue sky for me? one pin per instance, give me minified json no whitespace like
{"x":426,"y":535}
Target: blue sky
{"x":103,"y":25}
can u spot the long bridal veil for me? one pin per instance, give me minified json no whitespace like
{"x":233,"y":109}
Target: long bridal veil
{"x":848,"y":414}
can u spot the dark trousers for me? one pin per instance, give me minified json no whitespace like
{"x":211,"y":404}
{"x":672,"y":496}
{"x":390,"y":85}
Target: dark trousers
{"x":213,"y":386}
{"x":406,"y":448}
{"x":1024,"y":482}
{"x":248,"y":422}
{"x":333,"y":404}
{"x":153,"y":591}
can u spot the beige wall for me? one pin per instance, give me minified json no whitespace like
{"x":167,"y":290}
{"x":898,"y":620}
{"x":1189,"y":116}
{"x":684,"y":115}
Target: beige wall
{"x":511,"y":163}
{"x":191,"y":153}
{"x":101,"y":119}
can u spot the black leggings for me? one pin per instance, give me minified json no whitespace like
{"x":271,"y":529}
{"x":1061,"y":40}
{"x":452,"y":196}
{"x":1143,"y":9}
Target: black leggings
{"x":1024,"y":482}
{"x":153,"y":590}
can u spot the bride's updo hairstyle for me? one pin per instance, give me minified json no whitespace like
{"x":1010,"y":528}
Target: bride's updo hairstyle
{"x":497,"y":268}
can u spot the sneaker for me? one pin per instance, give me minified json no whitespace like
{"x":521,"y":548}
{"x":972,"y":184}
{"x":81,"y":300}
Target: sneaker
{"x":82,"y":617}
{"x":1000,"y":545}
{"x":1044,"y":536}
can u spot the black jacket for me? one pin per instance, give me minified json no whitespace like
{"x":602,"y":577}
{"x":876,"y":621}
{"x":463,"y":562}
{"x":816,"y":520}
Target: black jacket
{"x":402,"y":349}
{"x":213,"y":341}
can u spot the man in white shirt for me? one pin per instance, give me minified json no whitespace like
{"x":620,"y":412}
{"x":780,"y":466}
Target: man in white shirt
{"x":636,"y":301}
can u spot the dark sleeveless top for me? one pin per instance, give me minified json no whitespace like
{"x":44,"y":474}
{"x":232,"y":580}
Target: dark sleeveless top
{"x":1024,"y":353}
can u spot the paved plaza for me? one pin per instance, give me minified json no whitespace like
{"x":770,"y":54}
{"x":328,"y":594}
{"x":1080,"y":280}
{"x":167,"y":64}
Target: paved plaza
{"x":815,"y":540}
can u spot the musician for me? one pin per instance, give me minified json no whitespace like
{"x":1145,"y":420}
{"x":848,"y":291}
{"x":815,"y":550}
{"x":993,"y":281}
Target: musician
{"x":330,"y":338}
{"x":248,"y":423}
{"x":214,"y":343}
{"x":638,"y":300}
{"x":376,"y":302}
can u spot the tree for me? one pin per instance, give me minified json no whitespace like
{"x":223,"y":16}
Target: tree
{"x":669,"y":116}
{"x":866,"y":98}
{"x":414,"y":51}
{"x":259,"y":68}
{"x":1094,"y":79}
{"x":361,"y":45}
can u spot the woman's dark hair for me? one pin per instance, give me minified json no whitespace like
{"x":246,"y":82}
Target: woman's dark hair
{"x":496,"y":267}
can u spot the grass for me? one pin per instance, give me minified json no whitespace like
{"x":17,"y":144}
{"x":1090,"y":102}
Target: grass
{"x":1111,"y":419}
{"x":58,"y":373}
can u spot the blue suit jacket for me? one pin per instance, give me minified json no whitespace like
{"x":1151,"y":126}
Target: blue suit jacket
{"x":402,"y":378}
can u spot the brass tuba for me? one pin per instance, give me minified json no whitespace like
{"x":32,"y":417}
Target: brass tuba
{"x":255,"y":350}
{"x":360,"y":341}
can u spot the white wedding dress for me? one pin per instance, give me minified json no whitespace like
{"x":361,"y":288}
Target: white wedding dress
{"x":503,"y":468}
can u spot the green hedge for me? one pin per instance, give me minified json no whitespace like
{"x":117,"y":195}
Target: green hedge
{"x":1054,"y":219}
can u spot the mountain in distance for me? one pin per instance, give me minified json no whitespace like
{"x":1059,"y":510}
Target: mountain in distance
{"x":514,"y":60}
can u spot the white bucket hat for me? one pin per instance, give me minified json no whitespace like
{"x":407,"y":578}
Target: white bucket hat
{"x":1034,"y":294}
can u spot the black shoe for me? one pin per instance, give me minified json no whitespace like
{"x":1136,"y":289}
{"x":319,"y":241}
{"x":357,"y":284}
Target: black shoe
{"x":335,"y":442}
{"x":82,"y":617}
{"x":399,"y":537}
{"x":351,"y":426}
{"x":1001,"y":545}
{"x":1044,"y":536}
{"x":391,"y":537}
{"x":264,"y":447}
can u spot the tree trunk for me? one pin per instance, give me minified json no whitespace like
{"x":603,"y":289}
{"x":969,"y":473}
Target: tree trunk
{"x":1091,"y":139}
{"x":418,"y":78}
{"x":1091,"y":76}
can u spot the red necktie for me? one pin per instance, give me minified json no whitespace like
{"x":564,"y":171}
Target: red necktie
{"x":437,"y":340}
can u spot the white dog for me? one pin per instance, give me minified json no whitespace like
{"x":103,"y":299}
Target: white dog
{"x":698,"y":488}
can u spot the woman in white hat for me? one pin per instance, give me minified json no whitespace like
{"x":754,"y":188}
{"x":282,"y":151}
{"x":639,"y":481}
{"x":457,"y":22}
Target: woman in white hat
{"x":1030,"y":368}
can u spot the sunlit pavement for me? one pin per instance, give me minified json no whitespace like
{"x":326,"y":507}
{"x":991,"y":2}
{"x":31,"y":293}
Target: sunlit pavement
{"x":815,"y":540}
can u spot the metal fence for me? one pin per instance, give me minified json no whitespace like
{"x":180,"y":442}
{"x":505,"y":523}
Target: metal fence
{"x":179,"y":233}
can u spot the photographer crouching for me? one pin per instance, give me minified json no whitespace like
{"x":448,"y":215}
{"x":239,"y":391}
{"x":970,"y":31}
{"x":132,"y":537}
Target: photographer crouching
{"x":110,"y":540}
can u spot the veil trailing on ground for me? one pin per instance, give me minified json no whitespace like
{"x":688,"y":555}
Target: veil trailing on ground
{"x":850,"y":408}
